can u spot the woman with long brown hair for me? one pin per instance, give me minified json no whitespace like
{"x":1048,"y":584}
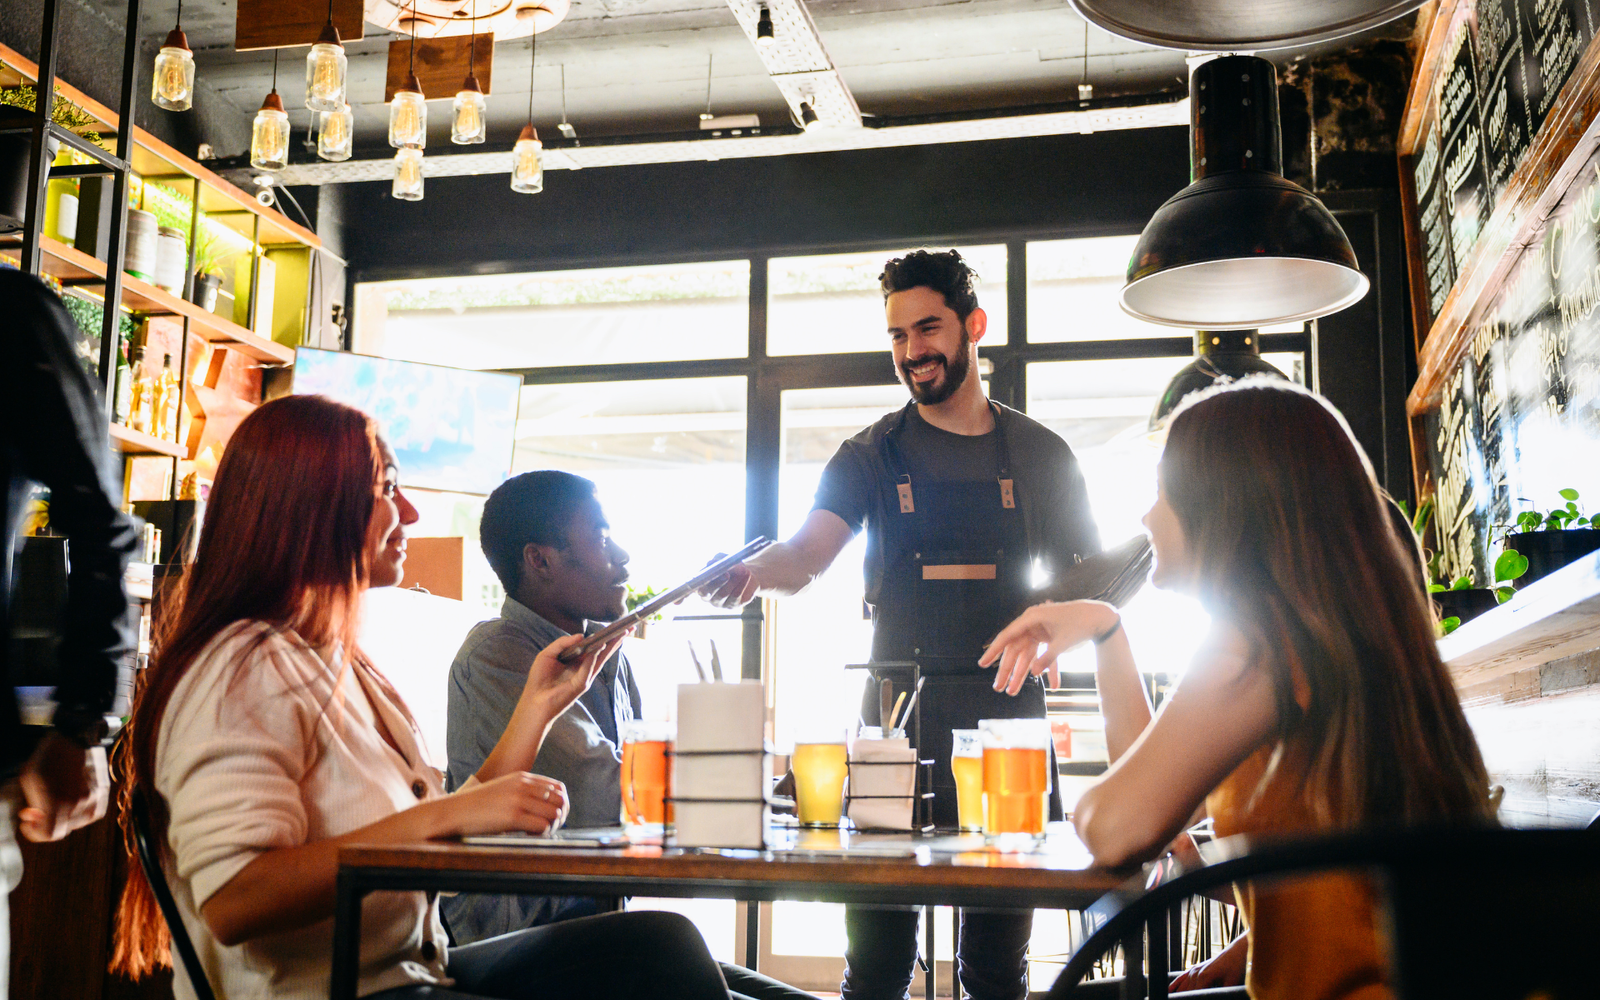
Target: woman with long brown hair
{"x":263,"y":739}
{"x":1318,"y":701}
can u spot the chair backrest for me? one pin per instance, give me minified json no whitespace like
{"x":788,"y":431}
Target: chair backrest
{"x":1491,"y":914}
{"x":150,"y":862}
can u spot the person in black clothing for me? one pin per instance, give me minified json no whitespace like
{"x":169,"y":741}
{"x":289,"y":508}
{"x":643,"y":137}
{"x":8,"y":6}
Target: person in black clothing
{"x":966,"y":503}
{"x":55,"y":434}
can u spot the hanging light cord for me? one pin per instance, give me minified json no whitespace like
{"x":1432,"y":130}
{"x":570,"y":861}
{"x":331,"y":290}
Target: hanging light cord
{"x":413,"y":67}
{"x":274,"y":71}
{"x":472,"y":40}
{"x":179,"y":24}
{"x":563,"y":94}
{"x":330,"y":9}
{"x":709,"y":56}
{"x":533,"y":54}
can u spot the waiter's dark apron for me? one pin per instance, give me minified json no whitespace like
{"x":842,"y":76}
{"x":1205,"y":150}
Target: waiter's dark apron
{"x":956,"y":570}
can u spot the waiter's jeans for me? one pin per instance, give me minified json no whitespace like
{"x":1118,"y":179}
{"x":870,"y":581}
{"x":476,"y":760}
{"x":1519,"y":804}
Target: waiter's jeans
{"x":881,"y":956}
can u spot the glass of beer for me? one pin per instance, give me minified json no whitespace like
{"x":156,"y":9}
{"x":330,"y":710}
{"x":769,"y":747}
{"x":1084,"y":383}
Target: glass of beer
{"x":645,"y":782}
{"x":966,"y":763}
{"x":819,"y":766}
{"x":1016,"y":776}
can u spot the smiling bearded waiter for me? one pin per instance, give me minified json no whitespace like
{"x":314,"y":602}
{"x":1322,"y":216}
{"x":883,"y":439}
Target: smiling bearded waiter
{"x":961,"y":499}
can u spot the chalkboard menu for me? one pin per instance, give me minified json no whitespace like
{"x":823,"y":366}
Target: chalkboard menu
{"x":1499,"y":71}
{"x":1519,"y":418}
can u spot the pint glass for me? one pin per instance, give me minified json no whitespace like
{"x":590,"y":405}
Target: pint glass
{"x":645,"y":782}
{"x":819,"y":766}
{"x":1016,"y":775}
{"x":966,"y":763}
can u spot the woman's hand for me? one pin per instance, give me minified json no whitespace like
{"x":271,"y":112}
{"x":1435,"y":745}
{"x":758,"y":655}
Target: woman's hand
{"x":1226,"y":968}
{"x":1031,"y":645}
{"x":557,"y":685}
{"x":516,"y":801}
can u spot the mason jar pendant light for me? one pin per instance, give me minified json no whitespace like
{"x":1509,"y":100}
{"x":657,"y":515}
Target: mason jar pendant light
{"x":173,"y":84}
{"x":408,"y":112}
{"x":269,"y":135}
{"x":468,"y":125}
{"x":407,"y":174}
{"x":325,"y":70}
{"x":527,"y":160}
{"x":338,"y":131}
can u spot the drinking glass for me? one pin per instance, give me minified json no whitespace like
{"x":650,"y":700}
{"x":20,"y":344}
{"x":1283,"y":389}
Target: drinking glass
{"x":1016,"y":775}
{"x":645,"y":782}
{"x":966,"y":763}
{"x":819,"y":766}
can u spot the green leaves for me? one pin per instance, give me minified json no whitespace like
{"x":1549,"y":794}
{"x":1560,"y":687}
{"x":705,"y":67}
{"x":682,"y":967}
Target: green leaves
{"x":1463,"y":582}
{"x":1448,"y":625}
{"x":1419,"y":524}
{"x":1503,"y":594}
{"x":1569,"y":494}
{"x":1511,"y":565}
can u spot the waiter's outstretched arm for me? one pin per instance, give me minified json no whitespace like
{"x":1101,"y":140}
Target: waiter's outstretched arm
{"x":786,"y":568}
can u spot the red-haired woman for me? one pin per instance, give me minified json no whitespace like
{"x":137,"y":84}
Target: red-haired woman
{"x":1317,"y":703}
{"x":264,"y":739}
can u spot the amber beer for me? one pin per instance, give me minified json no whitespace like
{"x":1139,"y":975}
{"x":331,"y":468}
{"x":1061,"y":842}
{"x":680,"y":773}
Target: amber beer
{"x":1016,"y":775}
{"x":819,"y":773}
{"x":966,"y":763}
{"x":646,"y":784}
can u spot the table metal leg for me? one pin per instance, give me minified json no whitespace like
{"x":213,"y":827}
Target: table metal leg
{"x":752,"y":934}
{"x":346,"y":938}
{"x":930,"y":982}
{"x":1133,"y":966}
{"x":1158,"y":957}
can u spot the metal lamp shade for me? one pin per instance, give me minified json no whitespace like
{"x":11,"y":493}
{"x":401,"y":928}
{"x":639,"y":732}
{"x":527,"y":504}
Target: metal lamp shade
{"x":1240,"y":250}
{"x":1241,"y":247}
{"x":1218,"y":356}
{"x":1239,"y":25}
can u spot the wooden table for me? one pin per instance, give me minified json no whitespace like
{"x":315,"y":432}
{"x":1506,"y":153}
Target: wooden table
{"x":894,"y":869}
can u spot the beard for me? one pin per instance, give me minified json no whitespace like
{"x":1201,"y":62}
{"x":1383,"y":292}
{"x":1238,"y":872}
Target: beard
{"x":937,"y":391}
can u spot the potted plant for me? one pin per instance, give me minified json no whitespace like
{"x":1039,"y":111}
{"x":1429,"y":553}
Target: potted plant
{"x":208,"y":255}
{"x":16,"y":108}
{"x":637,"y":597}
{"x":1544,"y":542}
{"x":1457,"y":599}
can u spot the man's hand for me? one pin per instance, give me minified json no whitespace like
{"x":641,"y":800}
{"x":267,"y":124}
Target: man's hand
{"x":65,"y":787}
{"x":733,"y":589}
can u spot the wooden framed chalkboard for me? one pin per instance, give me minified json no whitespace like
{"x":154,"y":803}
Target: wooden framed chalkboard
{"x":1500,"y":169}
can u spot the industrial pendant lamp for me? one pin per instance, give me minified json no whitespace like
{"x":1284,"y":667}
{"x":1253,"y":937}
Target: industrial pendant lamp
{"x":325,"y":70}
{"x":408,"y":111}
{"x":269,"y":134}
{"x":527,"y":160}
{"x":764,"y":33}
{"x":1241,"y":247}
{"x":1219,"y":355}
{"x":172,"y":87}
{"x":468,"y":125}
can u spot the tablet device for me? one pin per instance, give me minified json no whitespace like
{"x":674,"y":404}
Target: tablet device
{"x":597,"y":836}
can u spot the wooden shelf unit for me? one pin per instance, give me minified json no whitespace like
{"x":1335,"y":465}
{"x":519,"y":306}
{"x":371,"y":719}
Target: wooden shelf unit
{"x":134,"y":443}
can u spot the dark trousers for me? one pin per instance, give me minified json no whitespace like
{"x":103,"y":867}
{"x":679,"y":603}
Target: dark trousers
{"x":881,"y":956}
{"x":613,"y":956}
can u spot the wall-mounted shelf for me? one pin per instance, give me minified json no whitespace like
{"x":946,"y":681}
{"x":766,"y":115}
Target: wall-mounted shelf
{"x":1552,"y":618}
{"x":74,"y":268}
{"x":132,"y":442}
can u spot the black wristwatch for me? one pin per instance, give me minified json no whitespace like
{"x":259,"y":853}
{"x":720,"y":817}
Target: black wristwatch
{"x":86,"y":728}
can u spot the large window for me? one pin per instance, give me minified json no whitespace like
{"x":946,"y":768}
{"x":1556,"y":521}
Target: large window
{"x":834,"y":303}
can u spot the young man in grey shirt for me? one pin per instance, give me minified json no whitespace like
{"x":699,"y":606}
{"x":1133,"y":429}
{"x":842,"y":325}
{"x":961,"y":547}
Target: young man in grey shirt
{"x":547,"y":539}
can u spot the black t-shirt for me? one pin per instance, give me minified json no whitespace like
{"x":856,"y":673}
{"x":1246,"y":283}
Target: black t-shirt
{"x":858,"y":486}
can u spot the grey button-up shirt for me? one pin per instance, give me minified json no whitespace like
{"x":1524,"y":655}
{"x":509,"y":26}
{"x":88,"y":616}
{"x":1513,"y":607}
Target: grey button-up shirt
{"x":582,"y":750}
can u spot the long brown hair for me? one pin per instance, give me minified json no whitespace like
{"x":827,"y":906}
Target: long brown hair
{"x":1288,"y":531}
{"x":284,"y":543}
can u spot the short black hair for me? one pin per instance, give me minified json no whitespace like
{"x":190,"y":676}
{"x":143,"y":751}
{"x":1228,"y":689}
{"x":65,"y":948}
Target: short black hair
{"x":531,"y":509}
{"x":946,"y":273}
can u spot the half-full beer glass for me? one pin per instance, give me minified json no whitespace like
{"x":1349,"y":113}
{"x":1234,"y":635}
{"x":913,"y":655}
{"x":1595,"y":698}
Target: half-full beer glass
{"x":966,"y":763}
{"x":819,"y":766}
{"x":1016,"y":775}
{"x":646,"y":784}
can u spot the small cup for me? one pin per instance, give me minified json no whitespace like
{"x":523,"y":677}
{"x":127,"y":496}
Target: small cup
{"x":646,"y":785}
{"x":820,"y":764}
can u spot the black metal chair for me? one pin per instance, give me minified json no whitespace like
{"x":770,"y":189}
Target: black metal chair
{"x":1438,"y":889}
{"x":150,"y":862}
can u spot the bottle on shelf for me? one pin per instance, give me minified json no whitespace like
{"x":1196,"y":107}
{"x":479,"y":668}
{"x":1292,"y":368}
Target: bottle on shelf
{"x":123,"y":397}
{"x":141,"y":403}
{"x":167,"y":400}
